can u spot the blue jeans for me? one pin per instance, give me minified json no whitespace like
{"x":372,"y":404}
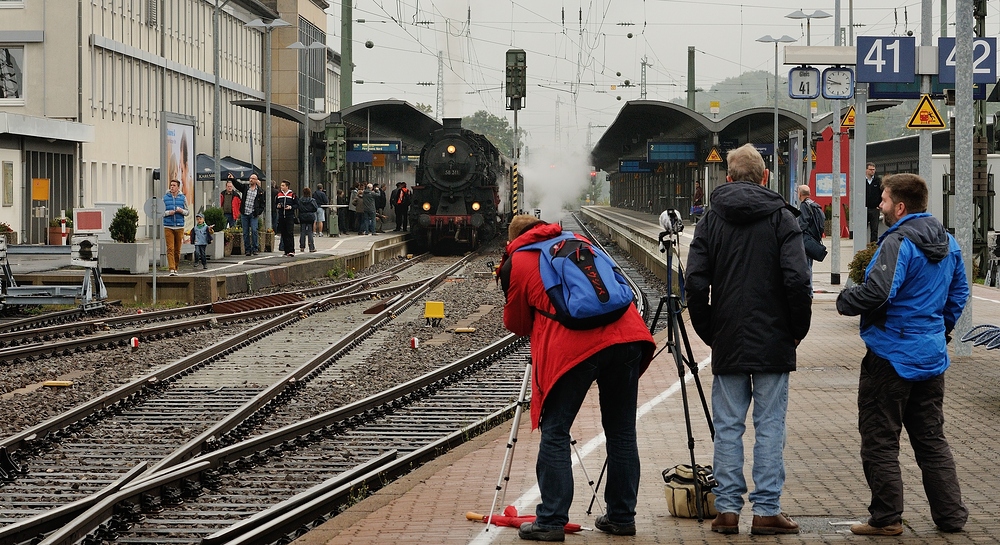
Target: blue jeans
{"x":199,"y":254}
{"x":731,"y":395}
{"x":616,"y":370}
{"x":249,"y":225}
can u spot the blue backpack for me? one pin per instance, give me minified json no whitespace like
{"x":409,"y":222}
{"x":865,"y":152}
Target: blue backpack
{"x":585,"y":286}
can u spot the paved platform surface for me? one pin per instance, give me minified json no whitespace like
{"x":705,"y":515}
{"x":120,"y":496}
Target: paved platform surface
{"x":825,"y":489}
{"x":25,"y":261}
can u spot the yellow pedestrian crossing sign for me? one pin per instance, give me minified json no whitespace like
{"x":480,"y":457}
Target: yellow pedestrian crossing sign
{"x":848,"y":120}
{"x":714,"y":156}
{"x":925,"y":116}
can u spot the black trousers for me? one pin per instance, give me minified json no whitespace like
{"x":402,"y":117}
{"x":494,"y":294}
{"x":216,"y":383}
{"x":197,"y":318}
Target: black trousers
{"x":873,"y":224}
{"x":887,"y":403}
{"x":401,"y":219}
{"x":286,"y":228}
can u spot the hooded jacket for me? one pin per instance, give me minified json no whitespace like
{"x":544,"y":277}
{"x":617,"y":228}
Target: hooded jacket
{"x":555,"y":349}
{"x":747,"y":281}
{"x":914,"y":291}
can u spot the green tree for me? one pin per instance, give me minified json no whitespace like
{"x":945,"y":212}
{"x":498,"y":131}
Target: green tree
{"x":496,"y":129}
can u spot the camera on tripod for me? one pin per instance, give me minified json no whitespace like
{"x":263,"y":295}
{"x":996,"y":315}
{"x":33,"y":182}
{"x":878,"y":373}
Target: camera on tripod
{"x":671,"y":222}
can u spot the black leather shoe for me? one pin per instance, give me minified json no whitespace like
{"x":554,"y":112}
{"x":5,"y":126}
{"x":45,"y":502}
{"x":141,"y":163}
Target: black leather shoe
{"x":531,"y":532}
{"x":777,"y":524}
{"x":615,"y":528}
{"x":726,"y":523}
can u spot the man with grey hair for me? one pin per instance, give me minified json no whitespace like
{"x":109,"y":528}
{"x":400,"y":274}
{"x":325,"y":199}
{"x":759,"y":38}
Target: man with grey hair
{"x":749,"y":298}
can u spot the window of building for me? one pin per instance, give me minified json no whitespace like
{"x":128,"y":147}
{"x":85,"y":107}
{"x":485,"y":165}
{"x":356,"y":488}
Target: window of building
{"x":11,"y":74}
{"x":11,"y":4}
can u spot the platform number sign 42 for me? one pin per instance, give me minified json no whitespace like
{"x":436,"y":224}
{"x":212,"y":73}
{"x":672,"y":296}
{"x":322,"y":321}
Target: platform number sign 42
{"x":886,"y":59}
{"x":984,"y":60}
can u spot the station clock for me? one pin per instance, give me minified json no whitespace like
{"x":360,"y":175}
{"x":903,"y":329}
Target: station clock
{"x":838,"y":83}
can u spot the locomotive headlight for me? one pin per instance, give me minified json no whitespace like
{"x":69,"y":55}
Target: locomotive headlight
{"x":451,"y":150}
{"x":426,"y":206}
{"x":475,"y":206}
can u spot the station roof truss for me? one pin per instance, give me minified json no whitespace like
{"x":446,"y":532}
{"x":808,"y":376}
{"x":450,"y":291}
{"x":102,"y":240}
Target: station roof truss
{"x":640,"y":121}
{"x":390,"y":119}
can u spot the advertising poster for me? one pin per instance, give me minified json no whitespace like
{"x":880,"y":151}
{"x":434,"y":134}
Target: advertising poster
{"x":180,"y":163}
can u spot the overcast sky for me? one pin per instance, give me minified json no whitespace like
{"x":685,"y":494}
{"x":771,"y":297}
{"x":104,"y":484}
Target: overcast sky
{"x":408,"y":34}
{"x":474,"y":35}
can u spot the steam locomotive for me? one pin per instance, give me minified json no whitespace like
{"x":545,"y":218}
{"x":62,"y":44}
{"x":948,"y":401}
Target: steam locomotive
{"x":462,"y":192}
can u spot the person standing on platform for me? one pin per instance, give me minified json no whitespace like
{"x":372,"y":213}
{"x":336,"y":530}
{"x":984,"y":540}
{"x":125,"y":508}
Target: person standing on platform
{"x":307,"y":216}
{"x":175,"y":208}
{"x":914,"y":291}
{"x":368,"y":211}
{"x":811,"y":221}
{"x":321,"y":201}
{"x":401,"y":205}
{"x":201,"y":237}
{"x":354,"y":212}
{"x":748,"y":295}
{"x":229,"y":201}
{"x":286,"y":203}
{"x":698,"y":202}
{"x":252,"y":202}
{"x":565,"y":363}
{"x":873,"y":199}
{"x":342,"y":211}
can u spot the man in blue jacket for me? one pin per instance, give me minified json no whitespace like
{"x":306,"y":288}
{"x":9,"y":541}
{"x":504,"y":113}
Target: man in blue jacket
{"x":914,"y":292}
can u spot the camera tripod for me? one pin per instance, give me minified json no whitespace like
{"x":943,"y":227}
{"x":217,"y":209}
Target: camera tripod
{"x":677,"y":340}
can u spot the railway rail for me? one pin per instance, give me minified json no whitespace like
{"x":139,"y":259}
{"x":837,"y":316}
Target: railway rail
{"x":32,"y":343}
{"x":83,"y":449}
{"x":240,"y":480}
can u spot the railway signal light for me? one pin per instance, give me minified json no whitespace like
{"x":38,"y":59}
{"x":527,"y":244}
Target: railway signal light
{"x":516,"y":83}
{"x":336,"y":147}
{"x":84,"y":252}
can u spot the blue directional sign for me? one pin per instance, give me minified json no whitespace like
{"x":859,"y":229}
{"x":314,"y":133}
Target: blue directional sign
{"x":666,"y":152}
{"x":984,"y":60}
{"x":634,"y":166}
{"x":886,"y":59}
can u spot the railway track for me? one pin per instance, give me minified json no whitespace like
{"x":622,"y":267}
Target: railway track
{"x":150,"y":420}
{"x":262,"y":474}
{"x":28,"y":344}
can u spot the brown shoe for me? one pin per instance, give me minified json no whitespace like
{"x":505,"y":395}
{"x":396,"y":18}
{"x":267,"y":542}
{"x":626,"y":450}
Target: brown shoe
{"x":726,"y":523}
{"x":777,"y":524}
{"x":867,"y":529}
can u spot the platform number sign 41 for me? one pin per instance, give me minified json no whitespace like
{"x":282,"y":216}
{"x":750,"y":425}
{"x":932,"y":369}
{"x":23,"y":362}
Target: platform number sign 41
{"x":886,"y":59}
{"x":803,"y":82}
{"x":984,"y":60}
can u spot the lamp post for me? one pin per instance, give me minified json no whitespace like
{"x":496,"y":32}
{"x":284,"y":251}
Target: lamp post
{"x":818,"y":14}
{"x":268,"y":26}
{"x":305,"y":143}
{"x":774,"y":161}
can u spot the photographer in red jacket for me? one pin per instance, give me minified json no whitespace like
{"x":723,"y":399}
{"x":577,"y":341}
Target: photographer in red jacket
{"x":565,"y":362}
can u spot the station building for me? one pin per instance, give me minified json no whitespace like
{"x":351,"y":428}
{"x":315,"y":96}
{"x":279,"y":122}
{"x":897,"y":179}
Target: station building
{"x":82,"y":85}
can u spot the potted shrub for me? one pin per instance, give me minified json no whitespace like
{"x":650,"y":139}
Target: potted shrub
{"x":233,"y":237}
{"x":8,"y":233}
{"x":216,"y":220}
{"x":125,"y":253}
{"x":58,"y":236}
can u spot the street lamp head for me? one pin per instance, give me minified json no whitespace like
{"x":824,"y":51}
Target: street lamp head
{"x":268,"y":24}
{"x":785,"y":38}
{"x":799,"y":14}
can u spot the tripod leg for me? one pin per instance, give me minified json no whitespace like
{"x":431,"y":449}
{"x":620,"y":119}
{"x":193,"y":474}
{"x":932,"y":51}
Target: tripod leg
{"x":693,"y":366}
{"x":572,"y":442}
{"x":590,"y":508}
{"x":674,"y":326}
{"x":508,"y":458}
